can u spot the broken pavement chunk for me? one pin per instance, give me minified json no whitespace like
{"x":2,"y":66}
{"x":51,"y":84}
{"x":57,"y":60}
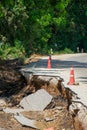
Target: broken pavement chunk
{"x":37,"y":101}
{"x":25,"y":121}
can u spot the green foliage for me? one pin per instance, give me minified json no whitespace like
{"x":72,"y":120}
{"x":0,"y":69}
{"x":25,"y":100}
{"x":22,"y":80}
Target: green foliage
{"x":35,"y":26}
{"x":9,"y":52}
{"x":65,"y":51}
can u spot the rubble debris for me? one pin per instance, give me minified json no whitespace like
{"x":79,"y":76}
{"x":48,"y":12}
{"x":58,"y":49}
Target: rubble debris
{"x":37,"y":101}
{"x":13,"y":110}
{"x":57,"y":117}
{"x":25,"y":121}
{"x":49,"y":119}
{"x":2,"y":102}
{"x":79,"y":112}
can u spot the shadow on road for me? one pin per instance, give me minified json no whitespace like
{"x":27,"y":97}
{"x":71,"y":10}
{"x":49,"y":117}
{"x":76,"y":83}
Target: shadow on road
{"x":42,"y":63}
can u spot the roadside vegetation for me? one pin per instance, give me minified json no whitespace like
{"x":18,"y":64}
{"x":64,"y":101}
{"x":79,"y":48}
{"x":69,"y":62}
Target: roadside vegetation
{"x":35,"y":27}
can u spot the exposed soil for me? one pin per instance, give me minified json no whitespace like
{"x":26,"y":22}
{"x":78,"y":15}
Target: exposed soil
{"x":61,"y":119}
{"x":13,"y":87}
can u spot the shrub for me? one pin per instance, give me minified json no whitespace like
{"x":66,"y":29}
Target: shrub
{"x":65,"y":51}
{"x":10,"y":52}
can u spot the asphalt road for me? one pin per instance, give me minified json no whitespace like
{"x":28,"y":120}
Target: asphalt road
{"x":62,"y":64}
{"x":79,"y":64}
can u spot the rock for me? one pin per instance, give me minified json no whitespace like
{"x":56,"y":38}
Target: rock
{"x":2,"y":102}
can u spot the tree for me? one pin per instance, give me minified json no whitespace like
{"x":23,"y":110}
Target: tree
{"x":77,"y":15}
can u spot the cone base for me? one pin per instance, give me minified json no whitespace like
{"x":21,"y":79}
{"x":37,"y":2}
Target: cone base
{"x":70,"y":83}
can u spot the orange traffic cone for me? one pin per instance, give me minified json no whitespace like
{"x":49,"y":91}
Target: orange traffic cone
{"x":49,"y":63}
{"x":72,"y":80}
